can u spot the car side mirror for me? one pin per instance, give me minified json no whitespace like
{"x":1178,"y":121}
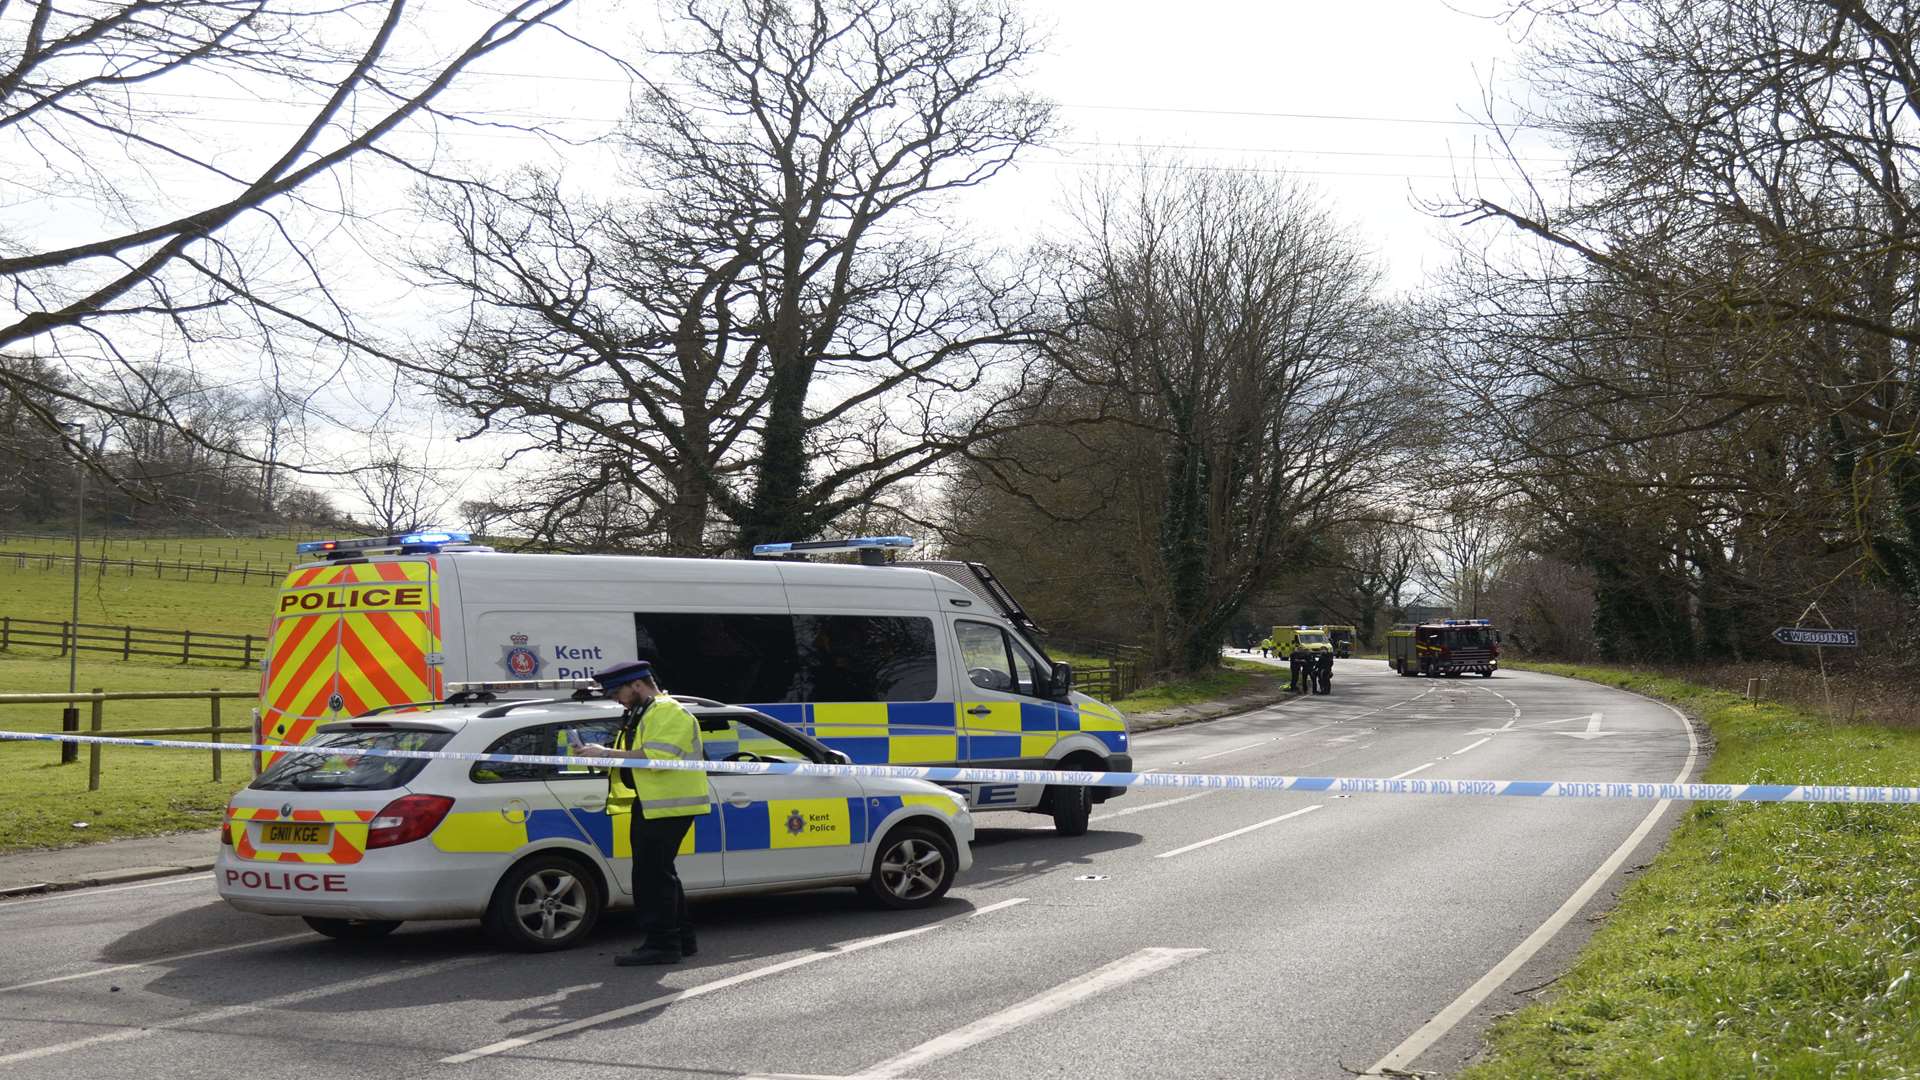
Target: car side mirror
{"x":838,"y":757}
{"x":1062,"y":682}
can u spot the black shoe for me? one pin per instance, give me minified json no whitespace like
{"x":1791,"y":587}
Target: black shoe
{"x":643,"y":957}
{"x":688,"y":946}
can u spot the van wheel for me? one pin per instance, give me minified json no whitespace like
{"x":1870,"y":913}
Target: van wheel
{"x":543,"y":904}
{"x":1072,"y":805}
{"x":1486,"y":674}
{"x":352,"y":929}
{"x":913,"y":868}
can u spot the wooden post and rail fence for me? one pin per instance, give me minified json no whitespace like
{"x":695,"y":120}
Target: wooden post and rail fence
{"x":127,"y":642}
{"x":96,"y":721}
{"x":100,"y":564}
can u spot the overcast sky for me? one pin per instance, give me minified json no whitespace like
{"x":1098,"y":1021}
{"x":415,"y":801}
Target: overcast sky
{"x":1374,"y":104}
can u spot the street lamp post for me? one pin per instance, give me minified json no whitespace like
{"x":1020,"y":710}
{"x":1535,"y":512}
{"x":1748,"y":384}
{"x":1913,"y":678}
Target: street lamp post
{"x":70,"y":717}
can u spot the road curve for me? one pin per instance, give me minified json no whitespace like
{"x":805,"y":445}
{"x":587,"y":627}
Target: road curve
{"x":1193,"y":934}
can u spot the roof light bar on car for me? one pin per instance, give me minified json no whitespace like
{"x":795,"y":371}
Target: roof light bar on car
{"x":500,"y":686}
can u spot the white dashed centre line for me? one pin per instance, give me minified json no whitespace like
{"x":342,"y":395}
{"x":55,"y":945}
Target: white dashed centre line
{"x":1239,"y":832}
{"x":662,"y":1001}
{"x":1067,"y":994}
{"x":1410,"y":772}
{"x":1470,"y":746}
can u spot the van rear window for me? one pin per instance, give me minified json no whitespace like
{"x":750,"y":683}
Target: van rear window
{"x":759,"y":659}
{"x":346,"y":766}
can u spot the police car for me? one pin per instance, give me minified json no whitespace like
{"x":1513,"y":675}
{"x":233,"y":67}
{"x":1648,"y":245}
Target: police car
{"x":358,"y":843}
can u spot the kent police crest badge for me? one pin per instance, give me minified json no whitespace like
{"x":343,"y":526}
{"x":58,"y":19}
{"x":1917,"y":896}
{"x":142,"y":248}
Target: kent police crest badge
{"x":796,"y":823}
{"x":520,"y":660}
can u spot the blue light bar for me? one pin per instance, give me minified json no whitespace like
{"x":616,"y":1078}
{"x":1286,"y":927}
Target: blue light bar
{"x":427,"y":540}
{"x":822,"y":547}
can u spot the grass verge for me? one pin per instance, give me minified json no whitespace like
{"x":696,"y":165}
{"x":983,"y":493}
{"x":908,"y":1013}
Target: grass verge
{"x":142,"y":791}
{"x":1234,"y":678}
{"x":1766,"y":940}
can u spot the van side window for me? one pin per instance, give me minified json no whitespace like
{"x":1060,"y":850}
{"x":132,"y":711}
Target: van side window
{"x":763,"y":659}
{"x":996,"y":661}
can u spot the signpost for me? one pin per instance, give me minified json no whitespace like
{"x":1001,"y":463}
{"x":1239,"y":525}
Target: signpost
{"x":1819,"y":636}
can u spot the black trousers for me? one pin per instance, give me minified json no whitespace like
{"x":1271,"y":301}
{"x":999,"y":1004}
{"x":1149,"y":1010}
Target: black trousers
{"x":659,"y":902}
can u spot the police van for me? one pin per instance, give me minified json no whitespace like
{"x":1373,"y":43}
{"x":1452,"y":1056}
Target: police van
{"x":903,"y":663}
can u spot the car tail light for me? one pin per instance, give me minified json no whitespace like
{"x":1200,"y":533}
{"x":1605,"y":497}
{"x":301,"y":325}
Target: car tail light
{"x":226,"y":833}
{"x":407,"y":819}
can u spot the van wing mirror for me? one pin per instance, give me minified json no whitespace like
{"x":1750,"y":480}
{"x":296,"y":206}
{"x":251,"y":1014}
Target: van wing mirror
{"x":1062,"y":682}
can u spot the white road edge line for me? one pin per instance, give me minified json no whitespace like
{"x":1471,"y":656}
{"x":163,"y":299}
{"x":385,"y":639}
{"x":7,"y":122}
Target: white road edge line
{"x":1470,"y":746}
{"x":664,"y":1000}
{"x":1149,"y":806}
{"x":1239,"y":832}
{"x":1400,"y":1057}
{"x":214,"y":1016}
{"x":158,"y":961}
{"x":1067,"y":994}
{"x":81,"y":894}
{"x":1410,"y":772}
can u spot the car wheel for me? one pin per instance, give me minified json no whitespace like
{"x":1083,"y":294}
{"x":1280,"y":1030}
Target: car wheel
{"x":542,"y":904}
{"x":913,"y":868}
{"x":352,"y":929}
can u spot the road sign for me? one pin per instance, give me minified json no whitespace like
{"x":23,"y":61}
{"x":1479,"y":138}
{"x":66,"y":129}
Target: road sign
{"x":1810,"y":635}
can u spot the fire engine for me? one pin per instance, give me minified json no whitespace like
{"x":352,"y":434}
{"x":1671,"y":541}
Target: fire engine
{"x":1449,"y":647}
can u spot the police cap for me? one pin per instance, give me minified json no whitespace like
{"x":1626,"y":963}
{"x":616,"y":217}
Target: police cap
{"x":622,"y":673}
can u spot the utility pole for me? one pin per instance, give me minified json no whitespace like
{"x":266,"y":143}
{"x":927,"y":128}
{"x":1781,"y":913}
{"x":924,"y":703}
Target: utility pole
{"x":70,"y":717}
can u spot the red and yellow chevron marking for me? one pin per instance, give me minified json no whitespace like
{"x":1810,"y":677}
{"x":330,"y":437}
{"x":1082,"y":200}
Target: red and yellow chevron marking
{"x":349,"y":835}
{"x":360,"y":631}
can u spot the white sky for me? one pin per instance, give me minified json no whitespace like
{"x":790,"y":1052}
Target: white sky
{"x":1372,"y":103}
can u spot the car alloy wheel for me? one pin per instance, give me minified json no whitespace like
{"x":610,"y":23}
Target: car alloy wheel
{"x":915,"y":868}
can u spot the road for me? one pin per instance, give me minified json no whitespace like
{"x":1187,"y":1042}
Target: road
{"x":1191,"y":934}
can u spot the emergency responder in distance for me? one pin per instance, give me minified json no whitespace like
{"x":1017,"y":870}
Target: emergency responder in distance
{"x":1298,"y":669}
{"x":1322,"y":672}
{"x":663,"y":803}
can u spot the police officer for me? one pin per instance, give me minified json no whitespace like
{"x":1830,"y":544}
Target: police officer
{"x":1323,"y":672}
{"x":1297,"y":669}
{"x":662,"y":802}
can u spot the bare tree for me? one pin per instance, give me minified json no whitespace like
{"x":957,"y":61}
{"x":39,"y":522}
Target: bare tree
{"x":778,"y":325}
{"x":1224,"y":330}
{"x":173,"y":240}
{"x":1736,"y":263}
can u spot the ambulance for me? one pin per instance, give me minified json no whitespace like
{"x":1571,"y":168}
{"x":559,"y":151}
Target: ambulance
{"x":902,"y":663}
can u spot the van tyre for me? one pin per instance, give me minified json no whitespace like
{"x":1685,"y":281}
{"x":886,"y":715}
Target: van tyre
{"x":1072,"y":805}
{"x":914,"y":868}
{"x":544,"y":903}
{"x":352,"y":929}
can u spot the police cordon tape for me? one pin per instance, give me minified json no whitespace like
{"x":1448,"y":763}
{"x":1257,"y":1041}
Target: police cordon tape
{"x":1342,"y":785}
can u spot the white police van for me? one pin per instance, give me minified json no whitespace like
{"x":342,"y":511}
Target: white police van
{"x":923,"y":663}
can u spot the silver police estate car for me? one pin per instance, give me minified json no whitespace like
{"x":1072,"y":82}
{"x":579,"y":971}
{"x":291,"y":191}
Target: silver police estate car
{"x":358,"y":843}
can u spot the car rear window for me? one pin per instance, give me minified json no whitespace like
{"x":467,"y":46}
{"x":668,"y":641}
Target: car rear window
{"x":347,"y":766}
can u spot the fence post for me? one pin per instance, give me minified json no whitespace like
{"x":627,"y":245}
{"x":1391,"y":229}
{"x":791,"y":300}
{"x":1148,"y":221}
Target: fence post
{"x":6,"y":632}
{"x":93,"y":749}
{"x":213,"y":701}
{"x":126,"y":643}
{"x":186,"y":645}
{"x":70,"y":723}
{"x":246,"y":655}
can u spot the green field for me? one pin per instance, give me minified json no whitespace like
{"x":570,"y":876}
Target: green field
{"x":117,"y":600}
{"x":142,"y":791}
{"x":1766,"y":940}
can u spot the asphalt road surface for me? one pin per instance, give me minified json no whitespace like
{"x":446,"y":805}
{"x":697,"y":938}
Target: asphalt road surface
{"x":1189,"y":934}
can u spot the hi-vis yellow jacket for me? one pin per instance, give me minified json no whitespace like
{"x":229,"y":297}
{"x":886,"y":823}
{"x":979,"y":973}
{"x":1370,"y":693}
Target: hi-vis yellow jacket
{"x":662,"y":728}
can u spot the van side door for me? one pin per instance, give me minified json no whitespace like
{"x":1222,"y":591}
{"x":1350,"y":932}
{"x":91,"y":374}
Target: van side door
{"x":1005,"y":720}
